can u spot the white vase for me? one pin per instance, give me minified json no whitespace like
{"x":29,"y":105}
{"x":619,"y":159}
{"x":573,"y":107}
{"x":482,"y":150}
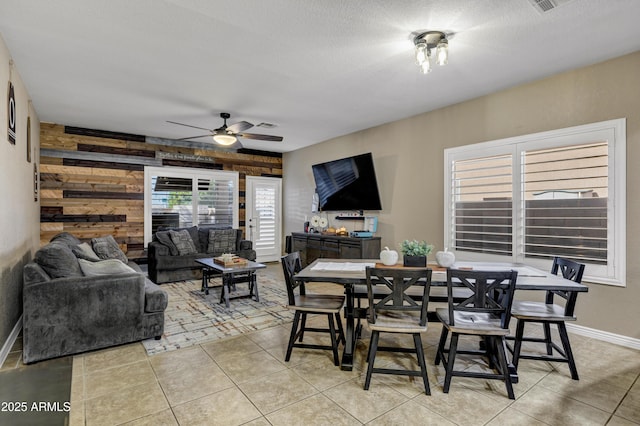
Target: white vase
{"x":389,"y":257}
{"x":445,"y":258}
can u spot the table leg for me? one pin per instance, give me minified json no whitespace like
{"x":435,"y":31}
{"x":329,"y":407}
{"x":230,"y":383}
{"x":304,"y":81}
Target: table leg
{"x":254,"y":285}
{"x":350,"y":334}
{"x":205,"y":281}
{"x":227,"y":281}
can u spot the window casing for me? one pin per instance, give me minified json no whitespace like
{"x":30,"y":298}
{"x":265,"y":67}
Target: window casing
{"x":532,"y":197}
{"x":173,"y":194}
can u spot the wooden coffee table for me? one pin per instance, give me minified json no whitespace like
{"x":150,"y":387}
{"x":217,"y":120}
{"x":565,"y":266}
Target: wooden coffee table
{"x":230,"y":277}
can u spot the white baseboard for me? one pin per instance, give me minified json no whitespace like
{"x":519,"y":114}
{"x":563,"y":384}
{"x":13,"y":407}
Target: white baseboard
{"x":6,"y":348}
{"x":605,"y":336}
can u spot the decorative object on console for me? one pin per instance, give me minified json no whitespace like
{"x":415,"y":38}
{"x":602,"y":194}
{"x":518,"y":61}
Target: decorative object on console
{"x":415,"y":252}
{"x":389,"y":257}
{"x":445,"y":258}
{"x":342,"y":232}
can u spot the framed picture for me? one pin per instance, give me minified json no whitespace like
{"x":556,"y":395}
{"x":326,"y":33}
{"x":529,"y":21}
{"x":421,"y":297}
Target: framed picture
{"x":11,"y":115}
{"x":35,"y":181}
{"x":28,"y":139}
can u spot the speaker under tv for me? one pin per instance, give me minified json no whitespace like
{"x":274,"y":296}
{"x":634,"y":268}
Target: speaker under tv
{"x":347,"y":184}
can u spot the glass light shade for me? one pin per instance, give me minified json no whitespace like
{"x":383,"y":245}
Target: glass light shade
{"x":442,"y":52}
{"x":426,"y":66}
{"x":225,"y":139}
{"x":421,"y":53}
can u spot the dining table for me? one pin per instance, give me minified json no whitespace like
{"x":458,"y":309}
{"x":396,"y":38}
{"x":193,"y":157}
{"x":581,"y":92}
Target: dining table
{"x":352,"y":272}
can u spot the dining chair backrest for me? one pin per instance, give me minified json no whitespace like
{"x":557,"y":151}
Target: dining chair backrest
{"x":570,"y":270}
{"x":291,"y":265}
{"x":399,"y":281}
{"x":491,"y":293}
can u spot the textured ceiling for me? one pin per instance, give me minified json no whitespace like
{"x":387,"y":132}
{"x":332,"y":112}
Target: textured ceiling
{"x":317,"y":69}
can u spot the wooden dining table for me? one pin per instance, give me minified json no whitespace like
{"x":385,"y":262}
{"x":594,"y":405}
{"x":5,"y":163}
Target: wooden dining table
{"x":351,"y":272}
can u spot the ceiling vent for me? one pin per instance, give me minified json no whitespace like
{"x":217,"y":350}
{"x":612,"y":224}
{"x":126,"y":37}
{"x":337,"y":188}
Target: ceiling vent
{"x":544,"y":6}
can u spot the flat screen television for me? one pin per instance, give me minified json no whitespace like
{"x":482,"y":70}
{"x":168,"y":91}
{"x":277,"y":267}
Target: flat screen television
{"x":347,"y":184}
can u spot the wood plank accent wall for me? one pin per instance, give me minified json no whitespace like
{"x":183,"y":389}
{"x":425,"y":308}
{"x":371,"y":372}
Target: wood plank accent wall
{"x":92,"y":181}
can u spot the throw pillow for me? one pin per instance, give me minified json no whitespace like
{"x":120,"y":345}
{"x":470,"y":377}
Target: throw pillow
{"x":221,"y":241}
{"x":58,"y":261}
{"x":66,"y":238}
{"x":107,"y":248}
{"x":183,"y":241}
{"x":84,"y":251}
{"x":164,"y":238}
{"x":104,"y":267}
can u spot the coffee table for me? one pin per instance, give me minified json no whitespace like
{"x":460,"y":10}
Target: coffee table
{"x":230,"y":277}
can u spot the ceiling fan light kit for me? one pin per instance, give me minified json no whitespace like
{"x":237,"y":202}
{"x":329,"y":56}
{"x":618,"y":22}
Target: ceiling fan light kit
{"x":425,"y":43}
{"x":224,"y":139}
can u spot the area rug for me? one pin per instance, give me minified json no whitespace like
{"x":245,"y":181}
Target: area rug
{"x":192,"y":317}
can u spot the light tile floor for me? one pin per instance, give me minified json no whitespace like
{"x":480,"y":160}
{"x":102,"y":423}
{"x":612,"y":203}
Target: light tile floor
{"x":244,"y":380}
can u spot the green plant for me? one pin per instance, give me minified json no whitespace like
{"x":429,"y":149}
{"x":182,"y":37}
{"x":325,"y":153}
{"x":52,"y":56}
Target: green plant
{"x":415,"y":248}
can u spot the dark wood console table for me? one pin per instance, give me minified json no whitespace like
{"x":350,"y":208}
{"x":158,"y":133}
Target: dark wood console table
{"x":315,"y":246}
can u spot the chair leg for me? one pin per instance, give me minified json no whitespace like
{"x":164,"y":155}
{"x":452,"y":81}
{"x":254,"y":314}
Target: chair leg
{"x":334,"y":342}
{"x":443,"y":340}
{"x":517,"y":345}
{"x":547,"y":337}
{"x":373,"y":347}
{"x":564,"y":338}
{"x":417,"y":340}
{"x":451,"y":359}
{"x":292,"y":337}
{"x":504,"y":369}
{"x":303,"y":327}
{"x":340,"y":329}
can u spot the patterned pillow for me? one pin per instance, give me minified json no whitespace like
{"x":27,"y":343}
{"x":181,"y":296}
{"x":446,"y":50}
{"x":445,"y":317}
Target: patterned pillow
{"x":221,"y":241}
{"x":183,"y":242}
{"x":107,"y":248}
{"x":164,"y":238}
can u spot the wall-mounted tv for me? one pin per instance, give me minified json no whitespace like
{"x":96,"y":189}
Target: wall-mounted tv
{"x":347,"y":184}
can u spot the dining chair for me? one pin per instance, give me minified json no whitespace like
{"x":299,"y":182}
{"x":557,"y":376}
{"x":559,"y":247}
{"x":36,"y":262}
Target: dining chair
{"x":485,"y":313}
{"x":398,"y":312}
{"x":548,"y":313}
{"x":310,"y":304}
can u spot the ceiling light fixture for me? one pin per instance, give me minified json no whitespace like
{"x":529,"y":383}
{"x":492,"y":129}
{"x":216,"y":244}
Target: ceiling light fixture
{"x":224,"y":139}
{"x":425,"y":42}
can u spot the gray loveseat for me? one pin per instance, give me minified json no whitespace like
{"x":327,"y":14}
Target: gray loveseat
{"x":168,"y":264}
{"x":66,"y":311}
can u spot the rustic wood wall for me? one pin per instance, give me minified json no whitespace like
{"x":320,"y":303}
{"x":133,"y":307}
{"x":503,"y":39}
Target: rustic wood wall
{"x":92,"y":182}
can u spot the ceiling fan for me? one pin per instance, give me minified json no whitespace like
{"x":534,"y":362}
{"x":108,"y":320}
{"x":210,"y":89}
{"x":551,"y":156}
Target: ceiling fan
{"x":228,"y":135}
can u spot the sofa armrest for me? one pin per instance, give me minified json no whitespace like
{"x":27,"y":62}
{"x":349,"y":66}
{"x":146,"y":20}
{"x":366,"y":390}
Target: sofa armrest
{"x":245,"y":245}
{"x":157,"y":249}
{"x":155,"y":298}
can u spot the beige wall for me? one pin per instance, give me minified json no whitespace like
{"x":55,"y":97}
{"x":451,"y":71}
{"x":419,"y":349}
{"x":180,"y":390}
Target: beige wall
{"x":408,"y":157}
{"x":19,"y":215}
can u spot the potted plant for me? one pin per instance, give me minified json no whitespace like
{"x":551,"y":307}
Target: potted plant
{"x":415,"y":252}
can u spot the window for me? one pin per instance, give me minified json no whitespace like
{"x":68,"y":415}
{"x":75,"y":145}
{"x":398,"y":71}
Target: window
{"x":173,"y":194}
{"x":529,"y":198}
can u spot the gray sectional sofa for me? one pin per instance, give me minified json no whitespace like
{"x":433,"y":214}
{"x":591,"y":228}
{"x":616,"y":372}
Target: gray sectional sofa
{"x":169,"y":263}
{"x":72,"y":304}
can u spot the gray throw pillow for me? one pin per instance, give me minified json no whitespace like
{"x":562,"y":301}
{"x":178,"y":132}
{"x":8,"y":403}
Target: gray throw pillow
{"x":107,"y":248}
{"x":58,"y":261}
{"x":221,"y":241}
{"x":104,"y":267}
{"x":84,"y":251}
{"x":183,"y":241}
{"x":66,"y":238}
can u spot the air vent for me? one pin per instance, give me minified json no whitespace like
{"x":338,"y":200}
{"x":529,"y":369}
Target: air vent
{"x":267,"y":125}
{"x":544,"y":6}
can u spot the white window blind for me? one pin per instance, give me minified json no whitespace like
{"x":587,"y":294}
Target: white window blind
{"x":533,"y":197}
{"x":265,"y":202}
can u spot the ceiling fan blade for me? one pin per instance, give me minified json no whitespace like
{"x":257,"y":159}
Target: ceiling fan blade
{"x":260,"y":137}
{"x":239,"y":126}
{"x":188,"y":125}
{"x":194,"y":137}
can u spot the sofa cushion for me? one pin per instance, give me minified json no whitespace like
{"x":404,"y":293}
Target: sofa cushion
{"x":183,"y":241}
{"x":221,"y":241}
{"x":164,"y":238}
{"x":104,"y":267}
{"x":58,"y":260}
{"x":84,"y":251}
{"x":107,"y":248}
{"x":181,"y":262}
{"x":66,"y":238}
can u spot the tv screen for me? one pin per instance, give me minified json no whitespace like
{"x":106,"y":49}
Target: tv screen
{"x":347,"y":184}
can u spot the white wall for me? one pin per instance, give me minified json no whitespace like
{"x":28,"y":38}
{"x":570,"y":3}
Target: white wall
{"x":19,"y":213}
